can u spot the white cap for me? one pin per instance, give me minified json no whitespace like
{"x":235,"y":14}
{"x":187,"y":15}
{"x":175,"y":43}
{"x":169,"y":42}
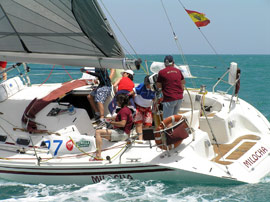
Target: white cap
{"x":128,"y":71}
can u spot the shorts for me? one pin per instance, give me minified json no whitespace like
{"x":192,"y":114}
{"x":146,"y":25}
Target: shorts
{"x":118,"y":135}
{"x":101,"y":93}
{"x":143,"y":115}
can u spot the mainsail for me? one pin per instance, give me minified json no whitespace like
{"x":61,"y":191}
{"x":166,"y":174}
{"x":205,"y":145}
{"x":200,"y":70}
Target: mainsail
{"x":63,"y":32}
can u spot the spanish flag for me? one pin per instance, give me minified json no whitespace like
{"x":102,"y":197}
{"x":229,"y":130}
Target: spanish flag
{"x":198,"y":18}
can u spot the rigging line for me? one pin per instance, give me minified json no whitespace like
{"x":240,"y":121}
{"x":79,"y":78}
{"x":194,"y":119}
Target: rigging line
{"x":145,"y":72}
{"x":127,"y":52}
{"x":204,"y":66}
{"x":67,"y":72}
{"x":119,"y":151}
{"x":208,"y":42}
{"x":212,"y":133}
{"x":88,"y":154}
{"x":182,"y":4}
{"x":177,"y":41}
{"x":118,"y":28}
{"x":147,"y":68}
{"x":47,"y":77}
{"x":212,"y":47}
{"x":210,"y":78}
{"x":106,"y":28}
{"x":175,"y":37}
{"x":8,"y":122}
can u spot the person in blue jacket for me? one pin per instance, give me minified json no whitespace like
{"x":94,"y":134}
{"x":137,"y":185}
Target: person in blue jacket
{"x":143,"y":99}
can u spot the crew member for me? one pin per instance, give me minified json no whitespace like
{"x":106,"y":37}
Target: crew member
{"x":171,"y":81}
{"x":122,"y":125}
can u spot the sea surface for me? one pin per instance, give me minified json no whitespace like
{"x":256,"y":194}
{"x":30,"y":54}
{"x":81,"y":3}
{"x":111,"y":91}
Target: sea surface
{"x":255,"y":82}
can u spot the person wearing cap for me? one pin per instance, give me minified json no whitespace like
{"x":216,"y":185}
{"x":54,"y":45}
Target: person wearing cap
{"x":3,"y":65}
{"x":171,"y":81}
{"x":125,"y":82}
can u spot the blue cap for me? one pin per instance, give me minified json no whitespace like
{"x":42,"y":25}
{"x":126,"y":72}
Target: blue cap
{"x":168,"y":60}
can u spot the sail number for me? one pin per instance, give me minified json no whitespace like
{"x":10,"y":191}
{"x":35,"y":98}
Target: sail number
{"x":58,"y":142}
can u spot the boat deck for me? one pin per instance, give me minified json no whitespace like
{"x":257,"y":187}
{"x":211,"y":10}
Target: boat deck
{"x":228,"y":153}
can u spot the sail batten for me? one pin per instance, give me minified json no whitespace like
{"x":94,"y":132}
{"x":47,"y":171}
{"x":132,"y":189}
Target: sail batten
{"x":58,"y":27}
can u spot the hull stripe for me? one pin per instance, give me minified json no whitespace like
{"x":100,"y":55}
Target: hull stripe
{"x":87,"y":173}
{"x":84,"y":168}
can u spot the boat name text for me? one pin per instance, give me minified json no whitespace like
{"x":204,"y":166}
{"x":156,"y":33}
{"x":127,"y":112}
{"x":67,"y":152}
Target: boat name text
{"x":259,"y":153}
{"x":98,"y":178}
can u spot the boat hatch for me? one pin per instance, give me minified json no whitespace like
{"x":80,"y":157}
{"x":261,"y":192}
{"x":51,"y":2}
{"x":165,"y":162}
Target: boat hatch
{"x":3,"y":138}
{"x":23,"y":141}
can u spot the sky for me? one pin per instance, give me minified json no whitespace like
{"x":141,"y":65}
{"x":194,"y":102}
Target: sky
{"x":236,"y":27}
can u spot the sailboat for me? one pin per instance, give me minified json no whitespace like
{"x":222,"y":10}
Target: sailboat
{"x":46,"y":131}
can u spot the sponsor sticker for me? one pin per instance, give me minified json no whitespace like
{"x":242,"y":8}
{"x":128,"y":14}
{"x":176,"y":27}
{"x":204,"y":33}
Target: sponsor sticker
{"x":83,"y":143}
{"x":69,"y":145}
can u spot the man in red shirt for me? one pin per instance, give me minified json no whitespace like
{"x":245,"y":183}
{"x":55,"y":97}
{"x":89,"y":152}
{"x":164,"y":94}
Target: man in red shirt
{"x":171,"y":81}
{"x":3,"y":65}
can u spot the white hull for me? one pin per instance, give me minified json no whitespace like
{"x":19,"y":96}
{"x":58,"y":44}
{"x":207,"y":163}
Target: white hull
{"x":85,"y":175}
{"x":176,"y":168}
{"x":196,"y":160}
{"x":85,"y":171}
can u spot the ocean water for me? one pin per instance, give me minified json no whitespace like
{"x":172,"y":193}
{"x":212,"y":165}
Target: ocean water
{"x":207,"y":69}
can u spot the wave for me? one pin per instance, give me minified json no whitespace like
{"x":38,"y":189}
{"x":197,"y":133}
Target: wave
{"x":132,"y":190}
